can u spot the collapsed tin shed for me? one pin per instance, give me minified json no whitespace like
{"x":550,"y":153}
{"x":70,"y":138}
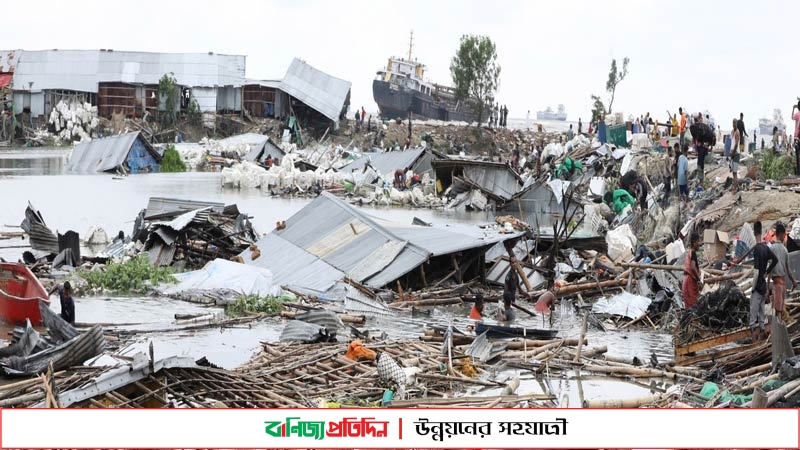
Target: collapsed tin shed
{"x":329,"y":239}
{"x":126,"y":153}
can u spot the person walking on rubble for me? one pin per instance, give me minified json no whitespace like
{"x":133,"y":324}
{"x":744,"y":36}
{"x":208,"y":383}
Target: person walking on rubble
{"x":782,"y":270}
{"x":67,"y":302}
{"x":702,"y":151}
{"x":796,"y":118}
{"x":580,"y":126}
{"x":736,"y":139}
{"x":666,"y":173}
{"x":691,"y":280}
{"x":764,"y":262}
{"x":682,"y":126}
{"x":683,"y":183}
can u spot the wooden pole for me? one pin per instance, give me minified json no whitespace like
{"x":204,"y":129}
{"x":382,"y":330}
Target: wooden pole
{"x":760,"y":398}
{"x":583,"y":335}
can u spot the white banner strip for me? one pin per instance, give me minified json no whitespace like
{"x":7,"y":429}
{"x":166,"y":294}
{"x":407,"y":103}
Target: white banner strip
{"x":399,"y":428}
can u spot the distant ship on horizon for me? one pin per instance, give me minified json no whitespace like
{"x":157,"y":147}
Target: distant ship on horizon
{"x":765,"y":126}
{"x":400,"y":91}
{"x":549,"y":114}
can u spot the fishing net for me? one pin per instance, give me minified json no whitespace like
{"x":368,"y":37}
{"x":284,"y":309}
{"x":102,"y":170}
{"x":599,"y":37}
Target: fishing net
{"x":722,"y":310}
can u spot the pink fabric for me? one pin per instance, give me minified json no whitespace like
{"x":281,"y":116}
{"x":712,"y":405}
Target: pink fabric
{"x":796,"y":117}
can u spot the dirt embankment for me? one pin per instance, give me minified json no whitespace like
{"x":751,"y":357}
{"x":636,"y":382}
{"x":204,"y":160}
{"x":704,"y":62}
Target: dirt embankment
{"x":766,"y":206}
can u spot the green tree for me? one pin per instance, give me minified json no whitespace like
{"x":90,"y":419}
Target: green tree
{"x":475,"y":72}
{"x":598,"y":109}
{"x":615,"y":76}
{"x":172,"y":162}
{"x":168,"y":92}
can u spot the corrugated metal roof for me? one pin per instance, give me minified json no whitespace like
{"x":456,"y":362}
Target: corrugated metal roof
{"x":500,"y":181}
{"x":82,"y":70}
{"x":316,"y":89}
{"x":275,"y":84}
{"x":9,"y":60}
{"x":493,"y":178}
{"x":329,"y":239}
{"x":167,"y":207}
{"x":101,"y":155}
{"x":387,"y":162}
{"x":292,"y":266}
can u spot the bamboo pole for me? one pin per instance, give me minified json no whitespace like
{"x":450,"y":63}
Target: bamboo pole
{"x":622,"y":403}
{"x":575,"y":288}
{"x":583,"y":336}
{"x":652,"y":266}
{"x":346,"y":318}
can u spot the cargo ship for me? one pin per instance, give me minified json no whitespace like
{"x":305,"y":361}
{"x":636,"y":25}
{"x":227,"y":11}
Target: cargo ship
{"x":549,"y":114}
{"x":400,"y":90}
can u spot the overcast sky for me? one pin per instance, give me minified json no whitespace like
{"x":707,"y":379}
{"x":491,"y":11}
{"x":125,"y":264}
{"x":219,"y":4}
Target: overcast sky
{"x":727,"y":57}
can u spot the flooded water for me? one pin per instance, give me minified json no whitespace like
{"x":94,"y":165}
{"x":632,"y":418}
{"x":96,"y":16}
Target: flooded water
{"x":78,"y":202}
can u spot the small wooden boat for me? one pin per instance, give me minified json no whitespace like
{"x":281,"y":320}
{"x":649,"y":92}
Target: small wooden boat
{"x":501,"y":332}
{"x":20,"y":292}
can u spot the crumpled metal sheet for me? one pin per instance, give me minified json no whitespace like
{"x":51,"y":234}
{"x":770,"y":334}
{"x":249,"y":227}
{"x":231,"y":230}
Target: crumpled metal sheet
{"x":625,"y":304}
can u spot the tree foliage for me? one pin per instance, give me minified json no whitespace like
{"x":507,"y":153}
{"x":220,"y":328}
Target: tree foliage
{"x":475,"y":72}
{"x":615,"y":76}
{"x":172,"y":162}
{"x":134,"y":275}
{"x":598,"y":109}
{"x":169,"y":93}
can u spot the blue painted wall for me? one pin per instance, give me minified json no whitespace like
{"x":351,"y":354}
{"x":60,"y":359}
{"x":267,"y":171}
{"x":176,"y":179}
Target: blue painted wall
{"x":140,"y":160}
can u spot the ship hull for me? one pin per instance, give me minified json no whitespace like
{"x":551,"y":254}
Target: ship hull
{"x":397,"y":103}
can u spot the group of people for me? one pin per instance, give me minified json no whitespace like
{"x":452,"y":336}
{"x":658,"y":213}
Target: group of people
{"x":498,"y":116}
{"x":506,"y":314}
{"x":360,"y":117}
{"x":770,"y":262}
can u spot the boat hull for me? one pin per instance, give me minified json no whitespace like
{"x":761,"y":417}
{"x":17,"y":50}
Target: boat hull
{"x":397,"y":102}
{"x":501,"y":332}
{"x":20,"y":292}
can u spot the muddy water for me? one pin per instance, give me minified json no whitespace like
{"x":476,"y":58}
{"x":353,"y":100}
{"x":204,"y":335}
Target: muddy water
{"x":79,"y":202}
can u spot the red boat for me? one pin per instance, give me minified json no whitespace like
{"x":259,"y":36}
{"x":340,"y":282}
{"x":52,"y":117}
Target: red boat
{"x":20,"y":292}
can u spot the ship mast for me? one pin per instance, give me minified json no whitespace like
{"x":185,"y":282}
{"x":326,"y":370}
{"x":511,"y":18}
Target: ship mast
{"x":410,"y":44}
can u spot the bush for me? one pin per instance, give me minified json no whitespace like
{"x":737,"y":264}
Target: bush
{"x":131,"y":276}
{"x":253,"y":304}
{"x":172,"y":162}
{"x":776,"y":166}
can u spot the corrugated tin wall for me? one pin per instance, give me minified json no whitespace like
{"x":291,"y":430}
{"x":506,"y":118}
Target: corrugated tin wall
{"x":206,"y":98}
{"x":229,"y":98}
{"x":140,"y":160}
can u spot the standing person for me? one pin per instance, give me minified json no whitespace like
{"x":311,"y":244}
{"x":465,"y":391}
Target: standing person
{"x":742,"y":133}
{"x":775,"y":139}
{"x":591,"y":129}
{"x":528,"y":120}
{"x":683,"y":184}
{"x":702,"y":151}
{"x":505,"y":116}
{"x":363,"y":115}
{"x":764,"y":261}
{"x":67,"y":302}
{"x":570,"y":134}
{"x":782,"y":270}
{"x":358,"y":121}
{"x":682,"y":126}
{"x":735,"y":156}
{"x":691,"y":281}
{"x":580,"y":126}
{"x":666,"y":173}
{"x":796,"y":118}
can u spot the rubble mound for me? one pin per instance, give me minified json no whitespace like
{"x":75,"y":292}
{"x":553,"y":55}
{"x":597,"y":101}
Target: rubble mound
{"x":718,"y":311}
